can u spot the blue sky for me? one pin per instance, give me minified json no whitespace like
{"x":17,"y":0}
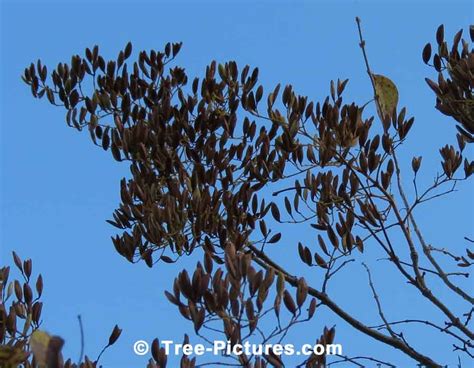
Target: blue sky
{"x":57,"y":190}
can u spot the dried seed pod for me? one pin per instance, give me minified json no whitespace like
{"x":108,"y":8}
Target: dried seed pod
{"x":301,"y":292}
{"x":312,"y":308}
{"x":114,"y":335}
{"x":415,"y":163}
{"x":289,"y":302}
{"x":426,"y":55}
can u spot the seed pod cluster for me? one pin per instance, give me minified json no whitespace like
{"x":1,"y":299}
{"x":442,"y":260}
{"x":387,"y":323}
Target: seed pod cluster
{"x":453,"y":89}
{"x":235,"y":298}
{"x":20,"y":312}
{"x":196,"y":167}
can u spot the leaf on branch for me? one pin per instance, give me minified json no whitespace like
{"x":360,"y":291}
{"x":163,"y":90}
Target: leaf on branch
{"x":46,"y":349}
{"x":386,"y":95}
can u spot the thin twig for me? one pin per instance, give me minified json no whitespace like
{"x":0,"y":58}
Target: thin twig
{"x":379,"y":305}
{"x":369,"y":71}
{"x":431,"y":324}
{"x":353,"y":359}
{"x":263,"y":260}
{"x":427,"y":252}
{"x":81,"y":329}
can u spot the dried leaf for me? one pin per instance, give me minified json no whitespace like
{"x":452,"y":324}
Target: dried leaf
{"x":46,"y":349}
{"x":386,"y":93}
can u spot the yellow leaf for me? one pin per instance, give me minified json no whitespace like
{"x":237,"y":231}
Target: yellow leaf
{"x":39,"y":345}
{"x":46,"y":349}
{"x":386,"y":94}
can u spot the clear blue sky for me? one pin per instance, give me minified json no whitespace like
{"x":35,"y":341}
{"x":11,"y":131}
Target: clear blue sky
{"x":57,"y":190}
